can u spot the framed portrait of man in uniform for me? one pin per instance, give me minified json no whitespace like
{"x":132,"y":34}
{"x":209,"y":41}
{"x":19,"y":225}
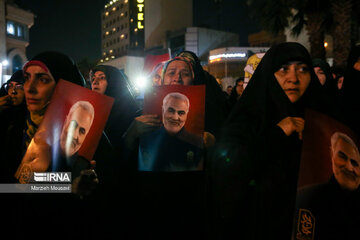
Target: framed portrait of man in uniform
{"x":177,"y":145}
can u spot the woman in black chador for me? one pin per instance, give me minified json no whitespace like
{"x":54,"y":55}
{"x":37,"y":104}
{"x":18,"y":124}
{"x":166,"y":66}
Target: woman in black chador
{"x":112,"y":82}
{"x":349,"y":93}
{"x":256,"y":160}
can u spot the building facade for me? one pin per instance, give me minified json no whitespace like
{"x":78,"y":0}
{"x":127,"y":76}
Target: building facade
{"x":131,"y":29}
{"x":14,"y":38}
{"x":122,"y":29}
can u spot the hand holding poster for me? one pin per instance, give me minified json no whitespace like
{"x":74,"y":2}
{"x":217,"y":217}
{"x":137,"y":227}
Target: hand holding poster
{"x":178,"y":144}
{"x":327,"y":204}
{"x":71,"y":129}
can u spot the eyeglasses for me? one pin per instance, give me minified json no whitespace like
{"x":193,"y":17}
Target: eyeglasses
{"x":14,"y":87}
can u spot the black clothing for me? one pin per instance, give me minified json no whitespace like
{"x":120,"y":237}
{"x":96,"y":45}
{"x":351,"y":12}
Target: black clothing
{"x":111,"y":166}
{"x":159,"y":151}
{"x":335,"y":212}
{"x":330,"y":88}
{"x":12,"y":125}
{"x":124,"y":108}
{"x":349,"y":93}
{"x":51,"y":211}
{"x":254,"y":165}
{"x":163,"y":203}
{"x":234,"y":97}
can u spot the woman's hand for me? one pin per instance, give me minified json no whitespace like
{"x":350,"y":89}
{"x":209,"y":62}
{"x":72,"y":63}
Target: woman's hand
{"x":146,"y":123}
{"x":292,"y":124}
{"x":85,"y":184}
{"x":209,"y":140}
{"x":140,"y":125}
{"x":5,"y":102}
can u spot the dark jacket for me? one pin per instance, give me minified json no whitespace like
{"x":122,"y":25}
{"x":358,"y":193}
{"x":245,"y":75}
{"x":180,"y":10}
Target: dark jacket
{"x":334,"y":213}
{"x":159,"y":151}
{"x":12,"y":125}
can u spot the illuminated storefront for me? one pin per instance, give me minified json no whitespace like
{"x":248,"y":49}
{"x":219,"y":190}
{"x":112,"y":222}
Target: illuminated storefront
{"x":227,"y":64}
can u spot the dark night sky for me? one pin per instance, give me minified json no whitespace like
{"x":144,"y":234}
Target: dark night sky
{"x":230,"y":15}
{"x":73,"y":27}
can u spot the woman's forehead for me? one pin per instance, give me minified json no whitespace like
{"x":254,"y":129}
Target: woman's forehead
{"x":36,"y":68}
{"x":178,"y":63}
{"x":15,"y":83}
{"x":99,"y":73}
{"x":294,"y":62}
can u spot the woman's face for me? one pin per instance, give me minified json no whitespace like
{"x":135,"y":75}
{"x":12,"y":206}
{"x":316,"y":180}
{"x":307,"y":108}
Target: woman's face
{"x":294,"y":78}
{"x":320,"y":74}
{"x":156,"y":78}
{"x":16,"y":92}
{"x":99,"y":82}
{"x":240,"y":88}
{"x":38,"y":87}
{"x":178,"y":73}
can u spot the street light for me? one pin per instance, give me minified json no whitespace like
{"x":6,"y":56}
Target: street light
{"x":5,"y":63}
{"x":141,"y":82}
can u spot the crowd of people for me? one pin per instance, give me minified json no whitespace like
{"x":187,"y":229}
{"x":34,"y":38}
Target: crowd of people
{"x":251,"y":148}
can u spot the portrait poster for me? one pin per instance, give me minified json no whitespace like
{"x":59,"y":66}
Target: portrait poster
{"x":177,"y":144}
{"x":71,"y":128}
{"x":152,"y":60}
{"x":319,"y":180}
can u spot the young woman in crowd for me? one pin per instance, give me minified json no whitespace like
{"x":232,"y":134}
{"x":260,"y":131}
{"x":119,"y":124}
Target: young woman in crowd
{"x":323,"y":72}
{"x":41,"y":75}
{"x":236,"y":92}
{"x":256,"y":160}
{"x":155,"y":74}
{"x":111,"y":168}
{"x":12,"y":125}
{"x":112,"y":82}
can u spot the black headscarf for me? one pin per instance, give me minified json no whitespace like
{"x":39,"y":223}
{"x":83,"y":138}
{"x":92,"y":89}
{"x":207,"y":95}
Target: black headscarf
{"x":60,"y":67}
{"x":118,"y":84}
{"x":18,"y":77}
{"x":330,"y":83}
{"x":255,"y":165}
{"x":330,"y":88}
